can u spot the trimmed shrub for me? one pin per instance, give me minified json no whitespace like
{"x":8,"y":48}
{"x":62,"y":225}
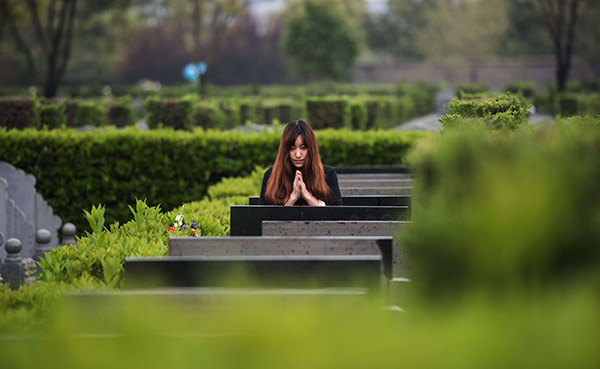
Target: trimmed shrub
{"x":19,"y":113}
{"x":420,"y":94}
{"x":500,"y":112}
{"x":174,"y":113}
{"x":120,"y":112}
{"x":359,"y":111}
{"x":52,"y":114}
{"x":231,"y":110}
{"x":208,"y":114}
{"x":328,"y":112}
{"x":90,"y":112}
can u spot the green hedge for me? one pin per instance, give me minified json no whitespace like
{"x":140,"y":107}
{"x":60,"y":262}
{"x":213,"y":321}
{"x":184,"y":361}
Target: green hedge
{"x":329,"y":112}
{"x":53,"y":114}
{"x":21,"y":113}
{"x":114,"y":167}
{"x":503,"y":111}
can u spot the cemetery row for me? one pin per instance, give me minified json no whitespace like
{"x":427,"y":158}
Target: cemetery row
{"x":359,"y":111}
{"x":348,"y":246}
{"x":114,"y":168}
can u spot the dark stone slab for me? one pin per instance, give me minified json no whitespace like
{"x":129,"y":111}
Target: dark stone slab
{"x":372,"y":169}
{"x":247,"y":220}
{"x":366,"y":200}
{"x":255,"y":272}
{"x":299,"y":244}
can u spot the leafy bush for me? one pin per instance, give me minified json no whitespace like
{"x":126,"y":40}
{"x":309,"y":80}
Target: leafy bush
{"x":52,"y":114}
{"x":98,"y":257}
{"x":502,"y":112}
{"x":90,"y":112}
{"x":174,"y":113}
{"x":19,"y":113}
{"x":329,"y":112}
{"x":120,"y":112}
{"x":238,"y":186}
{"x":208,"y":114}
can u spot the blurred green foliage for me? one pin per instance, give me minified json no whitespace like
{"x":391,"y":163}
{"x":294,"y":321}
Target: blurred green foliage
{"x":320,"y":43}
{"x":499,"y":213}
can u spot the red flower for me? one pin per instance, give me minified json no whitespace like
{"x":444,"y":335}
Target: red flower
{"x":171,"y":229}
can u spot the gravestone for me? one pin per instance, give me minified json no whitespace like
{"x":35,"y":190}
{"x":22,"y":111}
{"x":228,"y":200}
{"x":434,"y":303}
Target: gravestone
{"x":15,"y":269}
{"x":21,"y":189}
{"x":353,"y":228}
{"x":298,"y":245}
{"x":246,"y":220}
{"x":371,"y":191}
{"x":14,"y":224}
{"x":374,"y":182}
{"x":265,"y":271}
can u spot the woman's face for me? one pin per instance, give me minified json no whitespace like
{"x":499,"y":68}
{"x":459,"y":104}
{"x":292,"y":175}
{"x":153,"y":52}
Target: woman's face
{"x":298,"y":153}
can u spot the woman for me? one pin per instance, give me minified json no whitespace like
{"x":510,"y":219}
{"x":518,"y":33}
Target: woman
{"x":298,"y":177}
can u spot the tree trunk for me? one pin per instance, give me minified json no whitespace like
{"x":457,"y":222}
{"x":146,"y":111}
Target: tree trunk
{"x":561,"y":20}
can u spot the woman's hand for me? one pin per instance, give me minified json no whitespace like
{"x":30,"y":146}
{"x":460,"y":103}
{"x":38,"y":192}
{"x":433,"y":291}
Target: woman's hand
{"x":297,"y":188}
{"x":306,"y":195}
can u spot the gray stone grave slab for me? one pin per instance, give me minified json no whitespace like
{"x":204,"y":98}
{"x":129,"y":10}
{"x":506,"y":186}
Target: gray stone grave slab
{"x":375,"y":182}
{"x":277,"y":245}
{"x":344,"y":176}
{"x":371,"y":228}
{"x":389,"y":191}
{"x":358,"y":169}
{"x":266,"y":271}
{"x":14,"y":224}
{"x":247,"y":220}
{"x":21,"y":189}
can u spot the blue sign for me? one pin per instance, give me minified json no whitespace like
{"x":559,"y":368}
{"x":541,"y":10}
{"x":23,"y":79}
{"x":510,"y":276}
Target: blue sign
{"x":193,"y":71}
{"x":201,"y":67}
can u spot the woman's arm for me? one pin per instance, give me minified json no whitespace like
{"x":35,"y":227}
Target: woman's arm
{"x":263,"y":187}
{"x":332,"y":181}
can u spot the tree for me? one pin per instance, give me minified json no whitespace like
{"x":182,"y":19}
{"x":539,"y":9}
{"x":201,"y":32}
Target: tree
{"x":561,"y":18}
{"x":395,"y":31}
{"x":47,"y":53}
{"x":459,"y":32}
{"x":319,"y":42}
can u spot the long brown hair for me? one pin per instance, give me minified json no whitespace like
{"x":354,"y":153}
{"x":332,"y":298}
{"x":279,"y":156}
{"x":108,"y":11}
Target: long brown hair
{"x":279,"y":186}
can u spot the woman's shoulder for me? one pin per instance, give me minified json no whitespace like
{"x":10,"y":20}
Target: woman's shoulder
{"x":268,"y":171}
{"x":328,"y":170}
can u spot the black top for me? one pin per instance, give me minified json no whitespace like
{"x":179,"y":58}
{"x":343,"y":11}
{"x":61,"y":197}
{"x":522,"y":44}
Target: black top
{"x":330,"y":178}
